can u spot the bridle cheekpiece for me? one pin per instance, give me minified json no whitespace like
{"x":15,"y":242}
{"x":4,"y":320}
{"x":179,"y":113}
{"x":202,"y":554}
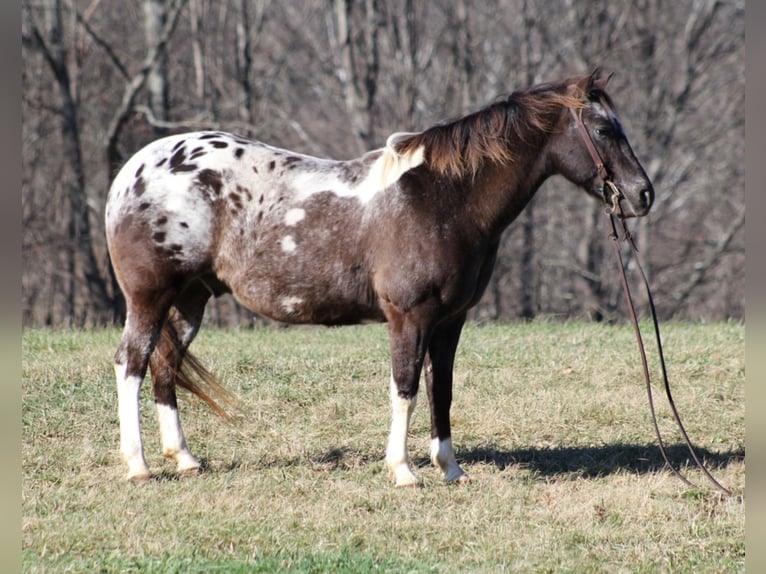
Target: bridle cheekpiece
{"x":608,"y":189}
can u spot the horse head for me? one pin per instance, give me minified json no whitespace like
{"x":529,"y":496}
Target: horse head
{"x":592,"y":150}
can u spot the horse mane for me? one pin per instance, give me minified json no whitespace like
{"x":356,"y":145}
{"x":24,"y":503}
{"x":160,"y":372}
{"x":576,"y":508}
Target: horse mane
{"x":459,"y":147}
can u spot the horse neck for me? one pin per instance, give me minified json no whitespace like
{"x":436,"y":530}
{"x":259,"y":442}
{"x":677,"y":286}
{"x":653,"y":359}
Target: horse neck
{"x":499,"y":192}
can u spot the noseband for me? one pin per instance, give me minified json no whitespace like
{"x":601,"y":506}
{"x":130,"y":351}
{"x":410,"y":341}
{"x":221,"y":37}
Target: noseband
{"x":613,"y":201}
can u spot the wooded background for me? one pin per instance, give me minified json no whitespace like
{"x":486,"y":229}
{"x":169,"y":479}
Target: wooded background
{"x":334,"y":78}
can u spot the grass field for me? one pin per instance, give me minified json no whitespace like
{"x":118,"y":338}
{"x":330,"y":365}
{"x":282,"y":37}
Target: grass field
{"x":550,"y":420}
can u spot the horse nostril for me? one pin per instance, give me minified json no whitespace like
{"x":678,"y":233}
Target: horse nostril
{"x":646,"y":196}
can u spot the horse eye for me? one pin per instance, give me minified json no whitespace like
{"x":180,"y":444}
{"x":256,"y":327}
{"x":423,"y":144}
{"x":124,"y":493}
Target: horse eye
{"x":602,"y":132}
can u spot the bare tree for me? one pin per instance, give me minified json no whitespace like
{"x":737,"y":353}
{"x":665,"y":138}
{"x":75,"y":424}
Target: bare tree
{"x":82,"y":271}
{"x":356,"y":42}
{"x":336,"y":78}
{"x":157,"y":75}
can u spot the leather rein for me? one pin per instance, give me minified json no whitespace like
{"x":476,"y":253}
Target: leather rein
{"x":612,"y":196}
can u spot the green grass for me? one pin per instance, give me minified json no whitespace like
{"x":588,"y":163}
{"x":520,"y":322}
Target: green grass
{"x":550,"y":421}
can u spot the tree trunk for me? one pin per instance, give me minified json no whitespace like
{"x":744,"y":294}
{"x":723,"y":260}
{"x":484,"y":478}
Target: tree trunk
{"x":87,"y":297}
{"x":157,"y":77}
{"x":359,"y":68}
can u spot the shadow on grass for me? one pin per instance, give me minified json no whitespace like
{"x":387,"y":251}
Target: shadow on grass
{"x":587,"y":462}
{"x":598,"y":460}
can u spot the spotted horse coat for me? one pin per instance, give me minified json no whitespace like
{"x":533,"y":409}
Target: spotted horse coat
{"x":406,"y":234}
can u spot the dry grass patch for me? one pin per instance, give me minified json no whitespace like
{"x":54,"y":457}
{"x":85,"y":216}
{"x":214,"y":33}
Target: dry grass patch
{"x":550,"y":421}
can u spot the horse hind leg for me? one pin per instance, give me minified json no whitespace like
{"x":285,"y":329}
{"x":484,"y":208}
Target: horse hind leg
{"x":139,"y":337}
{"x":166,"y":363}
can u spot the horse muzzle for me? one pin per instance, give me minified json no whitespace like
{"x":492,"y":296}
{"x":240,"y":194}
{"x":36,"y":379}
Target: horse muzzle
{"x":636,"y":204}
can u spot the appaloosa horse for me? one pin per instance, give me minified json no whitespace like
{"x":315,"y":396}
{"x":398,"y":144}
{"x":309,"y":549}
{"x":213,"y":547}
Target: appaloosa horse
{"x":406,"y":234}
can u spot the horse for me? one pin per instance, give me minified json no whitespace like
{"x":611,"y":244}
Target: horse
{"x":406,"y":234}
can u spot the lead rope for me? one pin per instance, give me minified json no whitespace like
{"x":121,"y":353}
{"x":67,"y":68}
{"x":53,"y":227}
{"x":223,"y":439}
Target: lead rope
{"x":614,"y":199}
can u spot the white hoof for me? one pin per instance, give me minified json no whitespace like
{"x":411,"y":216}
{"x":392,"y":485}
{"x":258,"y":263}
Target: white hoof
{"x":138,"y":472}
{"x":443,"y":458}
{"x":185,"y":462}
{"x":403,"y":476}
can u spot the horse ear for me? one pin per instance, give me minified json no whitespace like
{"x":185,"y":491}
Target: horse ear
{"x":582,"y":86}
{"x":598,"y":81}
{"x":585,"y":85}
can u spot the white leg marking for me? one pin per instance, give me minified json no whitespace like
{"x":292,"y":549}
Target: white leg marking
{"x":131,"y":447}
{"x":396,"y":453}
{"x":443,"y":457}
{"x":173,"y":440}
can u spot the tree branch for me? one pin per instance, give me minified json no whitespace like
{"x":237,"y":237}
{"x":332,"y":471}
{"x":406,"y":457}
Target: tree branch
{"x":122,"y":114}
{"x":701,"y":269}
{"x":102,"y":43}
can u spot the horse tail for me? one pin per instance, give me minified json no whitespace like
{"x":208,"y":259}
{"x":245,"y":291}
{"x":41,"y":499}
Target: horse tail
{"x":190,"y":374}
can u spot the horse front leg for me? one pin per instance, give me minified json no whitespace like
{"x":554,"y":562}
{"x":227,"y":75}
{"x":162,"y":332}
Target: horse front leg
{"x":439,"y":365}
{"x":408,"y":340}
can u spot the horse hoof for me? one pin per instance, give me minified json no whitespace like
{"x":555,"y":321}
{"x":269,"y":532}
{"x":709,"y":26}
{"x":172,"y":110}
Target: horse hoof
{"x":138,"y":477}
{"x":411,"y":484}
{"x":461,"y":479}
{"x":403,"y":477}
{"x":189,"y":470}
{"x":185,"y":462}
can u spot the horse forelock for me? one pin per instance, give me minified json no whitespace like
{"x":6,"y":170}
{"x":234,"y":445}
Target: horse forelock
{"x":494,"y":133}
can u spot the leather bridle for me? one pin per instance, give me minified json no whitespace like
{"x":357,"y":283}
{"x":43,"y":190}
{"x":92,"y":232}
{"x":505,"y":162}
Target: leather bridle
{"x":607,"y":185}
{"x":612,"y":196}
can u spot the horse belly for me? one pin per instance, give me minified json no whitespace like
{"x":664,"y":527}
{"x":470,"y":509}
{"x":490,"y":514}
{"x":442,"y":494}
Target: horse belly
{"x":298,"y":274}
{"x":296,"y":295}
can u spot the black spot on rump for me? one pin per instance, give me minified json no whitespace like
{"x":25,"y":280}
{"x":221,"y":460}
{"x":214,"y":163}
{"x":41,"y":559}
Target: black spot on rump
{"x":272,"y":165}
{"x":178,"y":158}
{"x":290,"y":161}
{"x":159,"y":236}
{"x":178,"y":145}
{"x":210,"y":179}
{"x":185,"y":167}
{"x":236,"y":199}
{"x":219,"y":144}
{"x":184,"y":224}
{"x":139,"y":187}
{"x":144,"y":206}
{"x":178,"y":162}
{"x":238,"y":152}
{"x":197,"y":152}
{"x":162,"y":220}
{"x":245,"y":191}
{"x":140,"y":170}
